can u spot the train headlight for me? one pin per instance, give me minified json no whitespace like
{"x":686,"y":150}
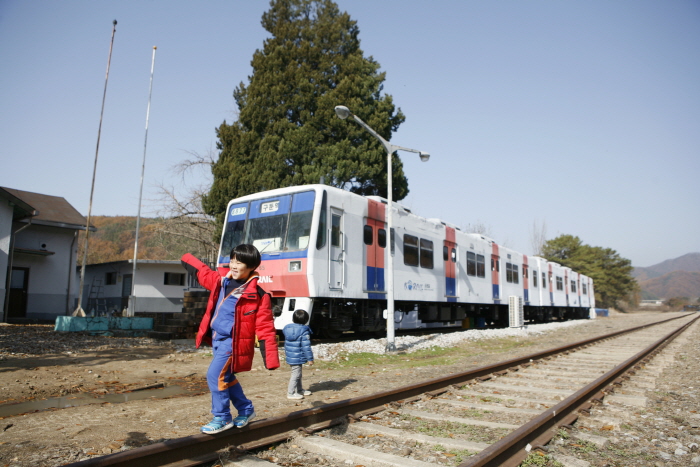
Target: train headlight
{"x":294,"y":266}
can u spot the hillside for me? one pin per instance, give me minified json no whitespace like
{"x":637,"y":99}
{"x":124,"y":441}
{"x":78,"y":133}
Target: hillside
{"x":679,"y":277}
{"x":673,"y":284}
{"x":689,"y":263}
{"x":159,"y":238}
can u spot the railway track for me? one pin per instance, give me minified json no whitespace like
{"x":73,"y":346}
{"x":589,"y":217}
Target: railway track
{"x":495,"y":415}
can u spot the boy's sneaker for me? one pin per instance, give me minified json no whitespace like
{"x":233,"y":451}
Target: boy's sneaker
{"x":306,"y":392}
{"x":295,"y":396}
{"x":216,"y":426}
{"x":242,"y":420}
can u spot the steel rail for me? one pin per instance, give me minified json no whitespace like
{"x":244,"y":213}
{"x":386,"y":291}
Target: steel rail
{"x":200,"y":446}
{"x":512,"y":449}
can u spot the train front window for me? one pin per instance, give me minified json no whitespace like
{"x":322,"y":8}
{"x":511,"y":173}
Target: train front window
{"x":272,"y":225}
{"x":234,"y":233}
{"x":266,"y":233}
{"x":299,"y":231}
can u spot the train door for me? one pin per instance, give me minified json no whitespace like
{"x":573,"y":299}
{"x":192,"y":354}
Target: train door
{"x":551,"y":289}
{"x":566,"y":286}
{"x":526,"y":284}
{"x":495,"y":273}
{"x":336,"y":266}
{"x":375,"y":246}
{"x":449,"y":255}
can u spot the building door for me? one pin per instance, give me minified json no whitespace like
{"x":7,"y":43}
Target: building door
{"x":19,"y":284}
{"x":126,"y":290}
{"x":337,"y":251}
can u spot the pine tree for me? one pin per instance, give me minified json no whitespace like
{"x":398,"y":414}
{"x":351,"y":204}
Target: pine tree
{"x":611,"y":274}
{"x":287,"y":132}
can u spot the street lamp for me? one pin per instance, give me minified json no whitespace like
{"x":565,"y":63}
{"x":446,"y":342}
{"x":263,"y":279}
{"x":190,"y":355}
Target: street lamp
{"x":343,"y":112}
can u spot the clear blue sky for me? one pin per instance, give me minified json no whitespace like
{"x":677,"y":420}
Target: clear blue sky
{"x":582,"y":116}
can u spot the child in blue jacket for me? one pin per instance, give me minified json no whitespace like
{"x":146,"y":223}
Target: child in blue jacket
{"x":297,"y":349}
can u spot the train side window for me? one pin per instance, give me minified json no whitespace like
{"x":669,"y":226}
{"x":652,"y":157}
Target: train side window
{"x":516,"y":276}
{"x":368,"y":231}
{"x":381,"y":238}
{"x":534,"y":279}
{"x":480,"y":266}
{"x":560,"y":283}
{"x":544,"y":280}
{"x":410,"y":250}
{"x":454,"y":255}
{"x":471,"y":263}
{"x":584,"y":291}
{"x":426,"y":254}
{"x":573,"y":286}
{"x":509,"y":272}
{"x":322,"y":224}
{"x":445,"y":253}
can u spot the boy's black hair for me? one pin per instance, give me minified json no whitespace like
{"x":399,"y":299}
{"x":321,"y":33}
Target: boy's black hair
{"x":300,"y":316}
{"x":247,"y":254}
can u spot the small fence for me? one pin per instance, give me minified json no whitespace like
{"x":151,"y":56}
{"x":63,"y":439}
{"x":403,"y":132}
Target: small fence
{"x":191,"y":282}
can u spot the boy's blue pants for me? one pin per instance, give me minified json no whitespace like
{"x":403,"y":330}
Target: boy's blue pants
{"x":223,"y":385}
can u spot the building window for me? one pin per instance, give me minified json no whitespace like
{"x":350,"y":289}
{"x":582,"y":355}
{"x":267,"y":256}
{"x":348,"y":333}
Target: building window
{"x":410,"y":250}
{"x":173,"y":278}
{"x":110,"y":278}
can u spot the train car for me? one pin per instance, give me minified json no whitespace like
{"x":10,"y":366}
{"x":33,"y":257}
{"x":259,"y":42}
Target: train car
{"x":325,"y":249}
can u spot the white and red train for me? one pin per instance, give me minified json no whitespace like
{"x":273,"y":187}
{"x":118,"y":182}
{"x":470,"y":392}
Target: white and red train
{"x":324,"y":250}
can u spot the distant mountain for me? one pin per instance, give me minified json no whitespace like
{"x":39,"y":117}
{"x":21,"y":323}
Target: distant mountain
{"x":679,"y":277}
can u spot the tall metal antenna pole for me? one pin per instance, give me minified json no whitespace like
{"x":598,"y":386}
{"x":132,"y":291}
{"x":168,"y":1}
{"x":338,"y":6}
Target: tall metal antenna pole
{"x":132,"y":297}
{"x":79,"y":310}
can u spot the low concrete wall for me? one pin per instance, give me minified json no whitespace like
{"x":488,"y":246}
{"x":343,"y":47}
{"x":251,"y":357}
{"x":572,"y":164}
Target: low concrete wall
{"x":101,"y":324}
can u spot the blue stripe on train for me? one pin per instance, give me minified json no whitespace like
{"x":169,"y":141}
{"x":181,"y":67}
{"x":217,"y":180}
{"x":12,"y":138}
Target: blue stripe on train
{"x":375,"y":274}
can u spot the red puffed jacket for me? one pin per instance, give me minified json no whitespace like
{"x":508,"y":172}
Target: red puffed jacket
{"x":253,"y":317}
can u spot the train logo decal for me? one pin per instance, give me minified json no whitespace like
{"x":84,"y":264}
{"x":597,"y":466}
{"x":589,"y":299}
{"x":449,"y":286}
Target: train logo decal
{"x":416,"y":287}
{"x":264,"y":279}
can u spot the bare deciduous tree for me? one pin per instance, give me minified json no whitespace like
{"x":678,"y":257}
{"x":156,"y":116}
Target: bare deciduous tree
{"x":538,"y":236}
{"x":185,"y":226}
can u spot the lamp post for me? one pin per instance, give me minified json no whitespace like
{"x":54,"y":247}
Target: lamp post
{"x":343,"y":112}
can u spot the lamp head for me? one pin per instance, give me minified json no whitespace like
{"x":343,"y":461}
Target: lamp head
{"x":424,"y":156}
{"x":342,"y":112}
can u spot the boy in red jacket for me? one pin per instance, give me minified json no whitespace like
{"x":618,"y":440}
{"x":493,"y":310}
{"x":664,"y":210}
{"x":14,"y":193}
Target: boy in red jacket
{"x":237,"y":311}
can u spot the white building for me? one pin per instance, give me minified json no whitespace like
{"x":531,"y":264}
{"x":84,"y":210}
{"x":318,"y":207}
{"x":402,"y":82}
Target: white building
{"x":159,"y":287}
{"x":38,"y":249}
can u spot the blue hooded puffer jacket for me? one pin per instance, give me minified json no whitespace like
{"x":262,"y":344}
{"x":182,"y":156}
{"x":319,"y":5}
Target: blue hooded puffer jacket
{"x":297,"y":344}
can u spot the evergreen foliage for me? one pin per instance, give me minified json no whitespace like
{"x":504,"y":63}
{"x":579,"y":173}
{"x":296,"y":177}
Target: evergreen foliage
{"x":611,"y":274}
{"x":287,"y":132}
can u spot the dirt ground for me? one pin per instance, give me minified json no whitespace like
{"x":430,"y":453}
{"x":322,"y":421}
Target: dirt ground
{"x":38,"y":365}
